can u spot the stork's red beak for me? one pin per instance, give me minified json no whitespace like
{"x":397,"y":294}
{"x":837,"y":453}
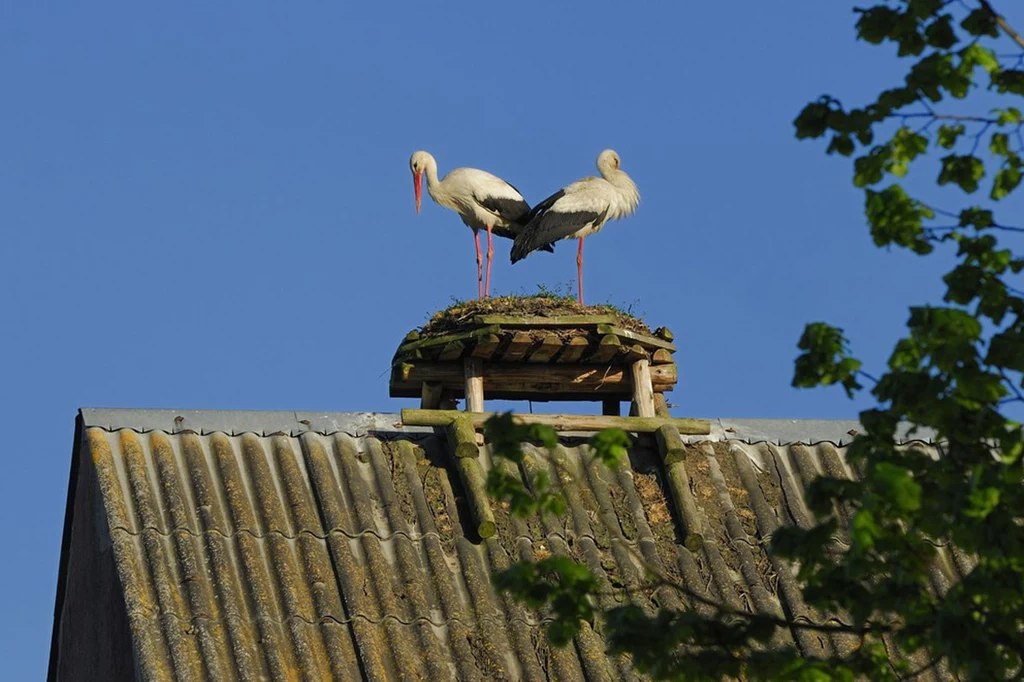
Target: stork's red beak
{"x":417,"y":184}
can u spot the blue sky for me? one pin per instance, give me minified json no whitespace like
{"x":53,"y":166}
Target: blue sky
{"x":209,"y":205}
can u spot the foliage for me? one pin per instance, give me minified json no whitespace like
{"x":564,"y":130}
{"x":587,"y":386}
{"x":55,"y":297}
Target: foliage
{"x":957,"y":372}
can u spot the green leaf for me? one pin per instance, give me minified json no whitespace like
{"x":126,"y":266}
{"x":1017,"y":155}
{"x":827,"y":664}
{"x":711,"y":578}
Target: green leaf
{"x":895,"y":218}
{"x":1009,"y":80}
{"x":1008,"y":115}
{"x":1006,"y":180}
{"x":981,"y":22}
{"x":964,"y":171}
{"x":975,"y":55}
{"x":999,"y":144}
{"x":948,"y":135}
{"x":812,"y":121}
{"x":864,"y":530}
{"x":876,"y":24}
{"x":979,"y":218}
{"x":982,"y":502}
{"x":940,"y":33}
{"x":825,"y":359}
{"x":897,"y":485}
{"x":611,"y":446}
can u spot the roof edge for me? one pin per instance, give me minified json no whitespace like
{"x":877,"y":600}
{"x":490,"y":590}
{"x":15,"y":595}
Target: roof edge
{"x":779,"y":431}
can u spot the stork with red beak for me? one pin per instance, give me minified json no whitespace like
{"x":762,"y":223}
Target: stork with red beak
{"x":579,"y":210}
{"x":484,"y":201}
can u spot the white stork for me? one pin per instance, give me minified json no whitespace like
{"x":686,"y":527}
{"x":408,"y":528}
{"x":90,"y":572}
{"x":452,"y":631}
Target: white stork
{"x":579,"y":210}
{"x":481,"y":199}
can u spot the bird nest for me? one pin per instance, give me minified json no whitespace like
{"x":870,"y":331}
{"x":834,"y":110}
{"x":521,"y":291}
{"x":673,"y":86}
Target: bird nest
{"x":459,"y":314}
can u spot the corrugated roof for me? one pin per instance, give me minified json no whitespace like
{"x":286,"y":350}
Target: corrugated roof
{"x":284,"y":546}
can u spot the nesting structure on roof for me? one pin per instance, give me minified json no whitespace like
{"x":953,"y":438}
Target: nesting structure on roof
{"x":538,"y":358}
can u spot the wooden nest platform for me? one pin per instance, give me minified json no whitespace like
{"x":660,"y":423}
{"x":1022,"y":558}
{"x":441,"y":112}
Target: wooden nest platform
{"x":523,"y":349}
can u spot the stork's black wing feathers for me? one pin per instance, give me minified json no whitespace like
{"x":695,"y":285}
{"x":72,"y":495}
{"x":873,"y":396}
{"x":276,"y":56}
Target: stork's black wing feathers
{"x":546,"y":226}
{"x":513,"y":210}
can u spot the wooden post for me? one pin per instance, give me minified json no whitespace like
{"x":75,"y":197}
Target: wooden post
{"x":643,"y":388}
{"x":430,"y":398}
{"x":474,"y":369}
{"x":610,"y":407}
{"x":661,"y":406}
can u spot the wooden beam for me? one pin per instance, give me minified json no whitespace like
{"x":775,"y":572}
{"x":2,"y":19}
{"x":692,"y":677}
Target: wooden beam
{"x":534,"y":321}
{"x":452,"y":350}
{"x":607,"y":348}
{"x":642,"y":339}
{"x":551,"y":382}
{"x":485,"y":346}
{"x":643,"y":388}
{"x":474,"y":372}
{"x":549,"y":345}
{"x":665,"y":333}
{"x":573,"y":349}
{"x":448,"y":338}
{"x":561,"y":422}
{"x":430,"y":395}
{"x":661,"y":356}
{"x":462,"y":436}
{"x":661,"y":406}
{"x":517,"y":347}
{"x":475,"y":483}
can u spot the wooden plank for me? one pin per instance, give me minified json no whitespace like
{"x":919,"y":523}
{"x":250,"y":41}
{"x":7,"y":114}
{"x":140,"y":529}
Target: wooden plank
{"x":607,"y":348}
{"x":452,"y":350}
{"x":430,"y":395}
{"x":521,"y":342}
{"x":525,"y":381}
{"x":661,"y":356}
{"x":561,"y":422}
{"x":474,"y":371}
{"x":448,"y":338}
{"x":610,"y":407}
{"x":573,"y":349}
{"x":665,"y":333}
{"x":549,"y":345}
{"x":642,"y":339}
{"x":643,"y":388}
{"x":485,"y":346}
{"x":534,"y":321}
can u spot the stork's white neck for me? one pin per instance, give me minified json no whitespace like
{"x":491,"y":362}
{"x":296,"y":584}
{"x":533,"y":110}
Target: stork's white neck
{"x":628,"y":196}
{"x":434,"y":186}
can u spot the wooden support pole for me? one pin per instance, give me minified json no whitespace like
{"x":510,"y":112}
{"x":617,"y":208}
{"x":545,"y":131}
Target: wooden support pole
{"x":474,"y":371}
{"x":610,"y":407}
{"x":661,"y":406}
{"x":462,"y":436}
{"x":474,"y":481}
{"x":430,"y":397}
{"x":560,"y":422}
{"x":643,"y":389}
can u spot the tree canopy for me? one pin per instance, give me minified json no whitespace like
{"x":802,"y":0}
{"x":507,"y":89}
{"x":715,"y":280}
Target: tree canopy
{"x":957,"y":372}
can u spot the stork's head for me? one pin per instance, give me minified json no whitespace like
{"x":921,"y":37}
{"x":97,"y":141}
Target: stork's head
{"x":608,"y":161}
{"x":417,"y":164}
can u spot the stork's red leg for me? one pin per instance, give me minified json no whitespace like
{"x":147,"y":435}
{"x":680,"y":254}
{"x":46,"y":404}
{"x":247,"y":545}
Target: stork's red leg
{"x":490,"y":257}
{"x":579,"y":269}
{"x":479,"y":266}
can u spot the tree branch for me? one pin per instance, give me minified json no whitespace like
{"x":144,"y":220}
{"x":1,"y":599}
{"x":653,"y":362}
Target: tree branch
{"x":1007,"y":29}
